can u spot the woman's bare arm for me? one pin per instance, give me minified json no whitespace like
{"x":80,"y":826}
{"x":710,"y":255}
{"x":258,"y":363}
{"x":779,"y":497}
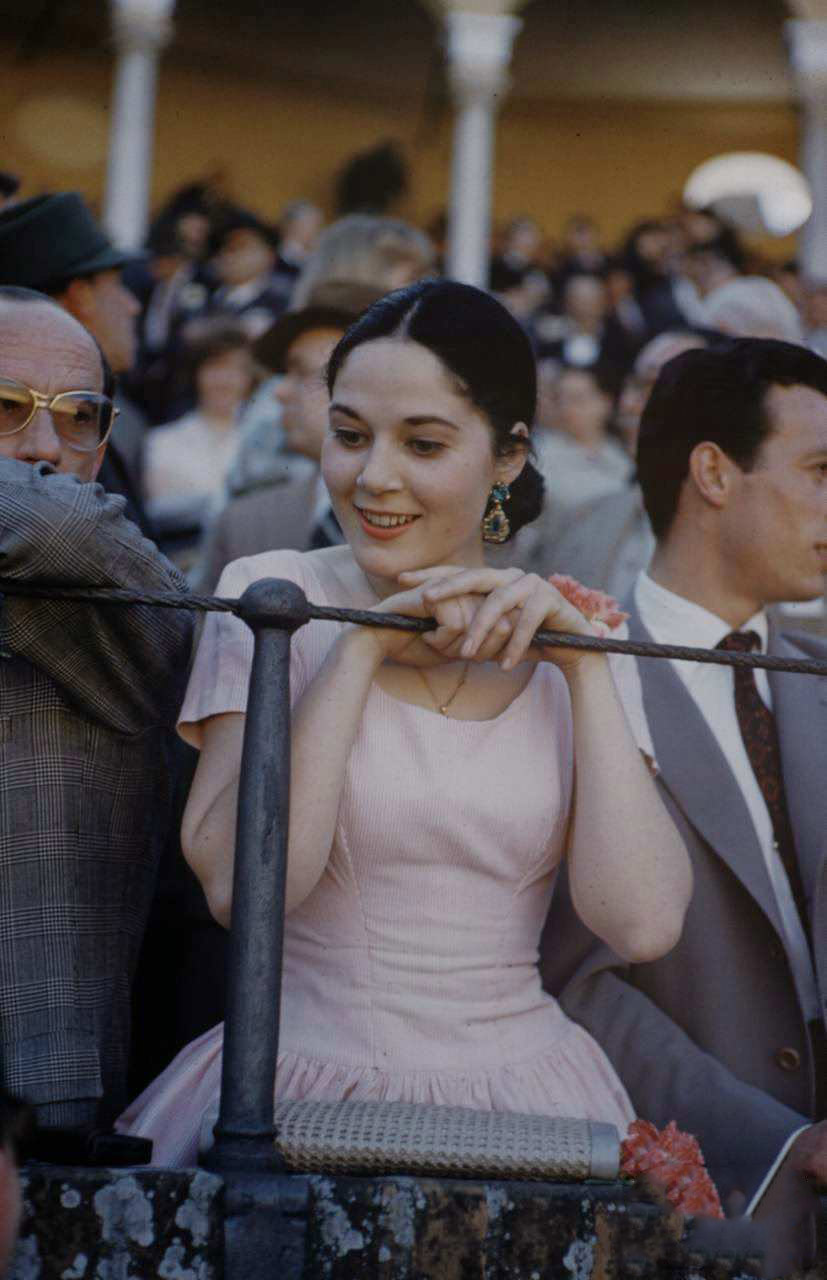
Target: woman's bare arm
{"x":324,"y":725}
{"x":630,"y":874}
{"x":325,"y":721}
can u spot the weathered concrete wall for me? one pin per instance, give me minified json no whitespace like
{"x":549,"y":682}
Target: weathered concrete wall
{"x":120,"y":1224}
{"x":138,"y":1224}
{"x":400,"y":1229}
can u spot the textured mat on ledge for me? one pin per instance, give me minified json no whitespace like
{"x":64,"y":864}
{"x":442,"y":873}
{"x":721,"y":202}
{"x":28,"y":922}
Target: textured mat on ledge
{"x":448,"y":1142}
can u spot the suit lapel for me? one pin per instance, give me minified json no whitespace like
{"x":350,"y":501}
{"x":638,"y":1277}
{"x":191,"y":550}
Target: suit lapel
{"x":800,"y":706}
{"x":696,"y":772}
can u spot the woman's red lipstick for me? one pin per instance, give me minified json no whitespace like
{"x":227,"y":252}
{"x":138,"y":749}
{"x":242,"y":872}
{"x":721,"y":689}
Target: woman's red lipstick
{"x":384,"y":533}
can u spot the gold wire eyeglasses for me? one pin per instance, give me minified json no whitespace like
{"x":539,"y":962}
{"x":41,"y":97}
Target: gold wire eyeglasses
{"x":82,"y":419}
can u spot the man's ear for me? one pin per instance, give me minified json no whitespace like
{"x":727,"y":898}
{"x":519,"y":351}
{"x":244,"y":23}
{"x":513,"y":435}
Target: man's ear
{"x":79,"y":300}
{"x":509,"y":465}
{"x":713,"y":473}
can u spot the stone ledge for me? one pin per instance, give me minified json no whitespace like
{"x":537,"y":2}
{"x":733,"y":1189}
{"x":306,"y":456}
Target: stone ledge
{"x":120,"y":1224}
{"x":143,"y":1223}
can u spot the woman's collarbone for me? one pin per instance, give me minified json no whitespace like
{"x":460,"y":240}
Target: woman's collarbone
{"x":485,"y":694}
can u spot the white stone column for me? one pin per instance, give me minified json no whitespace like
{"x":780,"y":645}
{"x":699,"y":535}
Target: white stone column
{"x":807,"y":39}
{"x":141,"y":29}
{"x":479,"y":51}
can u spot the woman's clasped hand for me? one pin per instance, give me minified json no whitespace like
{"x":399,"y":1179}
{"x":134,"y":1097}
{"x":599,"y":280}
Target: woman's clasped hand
{"x":482,"y":615}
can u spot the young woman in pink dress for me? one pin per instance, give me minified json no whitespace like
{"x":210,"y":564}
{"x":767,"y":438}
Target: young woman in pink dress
{"x":438,"y":780}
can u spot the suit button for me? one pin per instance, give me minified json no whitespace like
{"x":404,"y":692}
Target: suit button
{"x":788,"y":1059}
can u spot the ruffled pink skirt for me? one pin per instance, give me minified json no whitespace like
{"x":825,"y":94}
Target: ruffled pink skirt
{"x":574,"y":1078}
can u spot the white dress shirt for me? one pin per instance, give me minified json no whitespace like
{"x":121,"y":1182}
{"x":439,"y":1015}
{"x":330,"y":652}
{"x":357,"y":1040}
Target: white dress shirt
{"x":671,"y":619}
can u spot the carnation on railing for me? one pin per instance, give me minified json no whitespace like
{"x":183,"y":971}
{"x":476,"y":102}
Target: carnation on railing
{"x":596,"y":605}
{"x":671,"y":1161}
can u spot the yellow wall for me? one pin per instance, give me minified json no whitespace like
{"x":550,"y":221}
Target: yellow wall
{"x":617,"y":160}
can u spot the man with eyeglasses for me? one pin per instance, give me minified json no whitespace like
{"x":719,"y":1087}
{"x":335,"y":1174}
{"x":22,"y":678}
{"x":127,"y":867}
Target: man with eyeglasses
{"x":86,"y":695}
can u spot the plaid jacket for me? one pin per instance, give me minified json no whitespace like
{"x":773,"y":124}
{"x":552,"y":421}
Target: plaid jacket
{"x":87,"y":694}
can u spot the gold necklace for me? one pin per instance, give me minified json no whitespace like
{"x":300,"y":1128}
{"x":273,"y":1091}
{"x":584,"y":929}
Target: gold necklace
{"x":442,"y":707}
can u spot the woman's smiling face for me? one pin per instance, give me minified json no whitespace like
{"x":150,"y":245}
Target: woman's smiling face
{"x":409,"y":460}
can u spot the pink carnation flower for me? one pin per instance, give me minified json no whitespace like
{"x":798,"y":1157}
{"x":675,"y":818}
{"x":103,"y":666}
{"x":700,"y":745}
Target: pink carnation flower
{"x":672,"y":1163}
{"x":594,"y":604}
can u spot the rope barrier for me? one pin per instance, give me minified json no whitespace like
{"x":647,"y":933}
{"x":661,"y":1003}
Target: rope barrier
{"x":398,"y":622}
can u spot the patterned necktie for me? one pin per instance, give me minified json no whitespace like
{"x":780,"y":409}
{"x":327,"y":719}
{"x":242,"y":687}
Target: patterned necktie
{"x":757,"y":725}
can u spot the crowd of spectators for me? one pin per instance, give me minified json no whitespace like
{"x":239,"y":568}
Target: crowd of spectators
{"x":204,"y":411}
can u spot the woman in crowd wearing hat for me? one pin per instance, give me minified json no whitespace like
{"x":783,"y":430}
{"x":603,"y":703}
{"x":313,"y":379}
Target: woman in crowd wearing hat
{"x":434,"y":789}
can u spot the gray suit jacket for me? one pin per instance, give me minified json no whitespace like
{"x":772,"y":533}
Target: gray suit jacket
{"x":695,"y":1036}
{"x":86,"y":694}
{"x":274,"y":518}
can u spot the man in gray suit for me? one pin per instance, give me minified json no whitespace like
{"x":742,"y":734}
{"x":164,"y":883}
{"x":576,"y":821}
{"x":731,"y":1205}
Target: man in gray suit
{"x":725,"y":1035}
{"x":295,"y":512}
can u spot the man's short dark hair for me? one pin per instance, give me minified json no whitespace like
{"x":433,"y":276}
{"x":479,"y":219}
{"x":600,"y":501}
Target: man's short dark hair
{"x":715,"y":394}
{"x":17,"y":293}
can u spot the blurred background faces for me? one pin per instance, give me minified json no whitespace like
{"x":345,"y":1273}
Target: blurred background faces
{"x":608,"y":107}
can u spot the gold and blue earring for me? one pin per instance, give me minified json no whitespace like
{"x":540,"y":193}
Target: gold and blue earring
{"x":496,"y":526}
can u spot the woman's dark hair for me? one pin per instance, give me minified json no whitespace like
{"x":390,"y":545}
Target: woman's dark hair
{"x":233,"y":218}
{"x":715,"y":394}
{"x":477,"y":340}
{"x":208,"y":339}
{"x":643,"y":272}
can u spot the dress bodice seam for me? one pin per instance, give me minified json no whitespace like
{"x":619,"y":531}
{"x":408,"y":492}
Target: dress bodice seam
{"x":341,"y":838}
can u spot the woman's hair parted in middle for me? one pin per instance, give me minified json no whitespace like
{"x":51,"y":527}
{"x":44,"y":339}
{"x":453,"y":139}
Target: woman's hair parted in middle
{"x":485,"y":350}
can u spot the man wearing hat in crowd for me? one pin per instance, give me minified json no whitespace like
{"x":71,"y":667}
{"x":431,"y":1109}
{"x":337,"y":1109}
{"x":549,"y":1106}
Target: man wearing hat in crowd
{"x":52,"y":243}
{"x":295,"y":512}
{"x":88,"y":694}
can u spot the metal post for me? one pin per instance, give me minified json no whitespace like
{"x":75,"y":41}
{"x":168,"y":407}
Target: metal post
{"x":245,"y":1133}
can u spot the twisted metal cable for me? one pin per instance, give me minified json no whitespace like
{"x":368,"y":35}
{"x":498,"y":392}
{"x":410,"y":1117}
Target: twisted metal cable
{"x":398,"y":622}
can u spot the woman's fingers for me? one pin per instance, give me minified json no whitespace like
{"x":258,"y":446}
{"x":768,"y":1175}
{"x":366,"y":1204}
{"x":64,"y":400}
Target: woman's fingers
{"x":411,"y":603}
{"x":455,"y":614}
{"x":499,"y":603}
{"x":487,"y":614}
{"x":480,"y":581}
{"x":444,"y":642}
{"x":531,"y":618}
{"x":448,"y":643}
{"x":454,"y":617}
{"x":415,"y":577}
{"x":494,"y":642}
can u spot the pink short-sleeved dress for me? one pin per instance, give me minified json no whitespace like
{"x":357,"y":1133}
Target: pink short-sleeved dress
{"x":410,"y":972}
